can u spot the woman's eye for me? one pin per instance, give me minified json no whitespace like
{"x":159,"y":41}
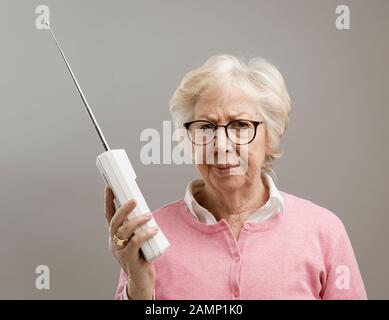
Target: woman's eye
{"x":206,"y":127}
{"x":241,"y":124}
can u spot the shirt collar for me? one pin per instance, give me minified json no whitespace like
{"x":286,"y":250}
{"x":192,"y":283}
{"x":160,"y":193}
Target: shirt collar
{"x":274,"y":205}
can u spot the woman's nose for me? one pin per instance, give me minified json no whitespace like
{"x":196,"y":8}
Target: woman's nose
{"x":222,"y":143}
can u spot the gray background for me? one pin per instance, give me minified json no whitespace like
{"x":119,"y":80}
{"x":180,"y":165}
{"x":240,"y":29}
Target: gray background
{"x":129,"y":57}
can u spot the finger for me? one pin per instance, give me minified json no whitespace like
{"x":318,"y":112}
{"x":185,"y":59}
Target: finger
{"x":109,"y":206}
{"x":138,"y":239}
{"x":121,"y":215}
{"x":128,"y":228}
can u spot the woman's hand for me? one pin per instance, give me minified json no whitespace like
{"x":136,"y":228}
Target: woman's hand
{"x":141,"y":272}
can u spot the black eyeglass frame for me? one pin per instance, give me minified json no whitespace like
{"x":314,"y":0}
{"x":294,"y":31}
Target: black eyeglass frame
{"x":253,"y":122}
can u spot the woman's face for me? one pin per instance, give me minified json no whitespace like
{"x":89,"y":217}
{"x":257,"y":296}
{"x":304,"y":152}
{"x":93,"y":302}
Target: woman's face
{"x":246,"y":159}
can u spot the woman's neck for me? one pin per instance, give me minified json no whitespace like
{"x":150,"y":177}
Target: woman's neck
{"x":235,"y":207}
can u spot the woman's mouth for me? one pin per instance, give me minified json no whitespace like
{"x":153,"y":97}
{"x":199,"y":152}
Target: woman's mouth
{"x":224,"y":168}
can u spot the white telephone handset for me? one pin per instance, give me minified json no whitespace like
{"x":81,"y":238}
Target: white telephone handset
{"x":118,"y":174}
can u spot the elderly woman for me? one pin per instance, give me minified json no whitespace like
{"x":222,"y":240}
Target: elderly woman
{"x":235,"y":235}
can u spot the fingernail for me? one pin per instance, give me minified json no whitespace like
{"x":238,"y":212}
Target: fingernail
{"x":154,"y":229}
{"x":148,"y":215}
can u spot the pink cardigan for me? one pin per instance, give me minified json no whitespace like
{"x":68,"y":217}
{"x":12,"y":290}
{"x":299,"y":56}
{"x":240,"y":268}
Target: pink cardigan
{"x":303,"y":253}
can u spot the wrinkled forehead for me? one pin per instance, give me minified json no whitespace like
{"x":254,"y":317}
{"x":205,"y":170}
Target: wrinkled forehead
{"x":231,"y":103}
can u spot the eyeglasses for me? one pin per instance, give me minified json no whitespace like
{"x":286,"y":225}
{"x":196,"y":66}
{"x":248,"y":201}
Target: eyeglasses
{"x":202,"y":132}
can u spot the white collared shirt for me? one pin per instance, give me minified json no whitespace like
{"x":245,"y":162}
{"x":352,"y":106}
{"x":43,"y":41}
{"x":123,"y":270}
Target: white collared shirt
{"x":273,"y":205}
